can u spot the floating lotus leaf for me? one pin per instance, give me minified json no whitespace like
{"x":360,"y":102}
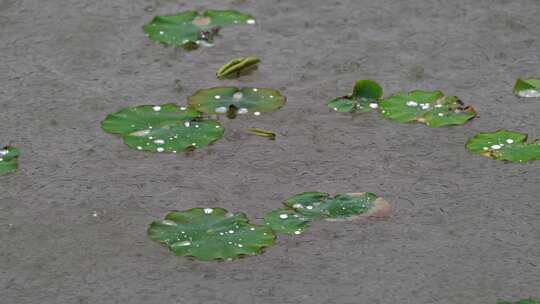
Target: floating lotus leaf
{"x":189,"y":28}
{"x":505,"y":145}
{"x":527,"y":87}
{"x":210,"y":234}
{"x":237,"y":66}
{"x":8,"y":159}
{"x":347,"y":206}
{"x":365,"y":97}
{"x":429,"y":107}
{"x":524,"y":301}
{"x":233,"y":101}
{"x":287,"y":221}
{"x":165,"y":128}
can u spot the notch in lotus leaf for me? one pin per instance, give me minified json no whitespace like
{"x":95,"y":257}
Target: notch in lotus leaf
{"x":364,"y":98}
{"x":527,"y":87}
{"x":523,"y":301}
{"x":163,"y":128}
{"x":233,"y":101}
{"x":505,"y":145}
{"x":429,"y":107}
{"x":189,"y":28}
{"x":8,"y":159}
{"x":287,"y":221}
{"x":347,"y":206}
{"x":238,"y":66}
{"x":210,"y":234}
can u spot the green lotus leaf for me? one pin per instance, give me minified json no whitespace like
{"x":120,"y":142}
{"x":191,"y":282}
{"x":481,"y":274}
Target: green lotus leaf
{"x":190,"y":28}
{"x":524,"y":301}
{"x":429,"y":107}
{"x":237,"y":66}
{"x":8,"y":159}
{"x":504,"y":145}
{"x":287,"y":221}
{"x":233,"y":101}
{"x":365,"y":97}
{"x":210,"y":233}
{"x":164,"y":128}
{"x":347,"y":206}
{"x":527,"y":87}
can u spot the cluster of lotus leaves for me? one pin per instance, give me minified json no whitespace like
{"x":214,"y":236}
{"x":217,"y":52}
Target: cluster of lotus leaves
{"x":8,"y":159}
{"x":429,"y":107}
{"x":527,"y":87}
{"x":364,"y":98}
{"x":190,"y":28}
{"x":163,"y":128}
{"x":504,"y":145}
{"x":233,"y":101}
{"x":237,"y":66}
{"x":210,"y":234}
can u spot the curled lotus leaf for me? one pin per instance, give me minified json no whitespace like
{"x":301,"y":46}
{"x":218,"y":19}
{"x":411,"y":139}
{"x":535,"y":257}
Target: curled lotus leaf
{"x":504,"y":145}
{"x":348,"y":206}
{"x":210,"y":234}
{"x":237,"y":66}
{"x":8,"y":159}
{"x":365,"y":98}
{"x":429,"y":107}
{"x":189,"y":28}
{"x":527,"y":87}
{"x":163,"y":128}
{"x":287,"y":221}
{"x":233,"y":101}
{"x":262,"y":133}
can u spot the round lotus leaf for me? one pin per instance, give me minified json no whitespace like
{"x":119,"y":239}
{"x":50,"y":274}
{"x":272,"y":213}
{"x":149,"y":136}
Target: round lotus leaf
{"x":237,"y":66}
{"x":233,"y":101}
{"x":527,"y":87}
{"x":429,"y":107}
{"x":210,"y":234}
{"x":8,"y":159}
{"x":348,"y":206}
{"x":164,"y":128}
{"x":504,"y":145}
{"x":287,"y":221}
{"x":189,"y":28}
{"x":365,"y":98}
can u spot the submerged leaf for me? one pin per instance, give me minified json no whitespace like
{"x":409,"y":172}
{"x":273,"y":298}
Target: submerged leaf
{"x":237,"y":66}
{"x":527,"y":87}
{"x":365,"y":98}
{"x":262,"y":133}
{"x":8,"y":159}
{"x":504,"y":145}
{"x":189,"y":28}
{"x":232,"y":101}
{"x":165,"y":128}
{"x":429,"y":107}
{"x":210,"y":233}
{"x":346,"y":206}
{"x":287,"y":221}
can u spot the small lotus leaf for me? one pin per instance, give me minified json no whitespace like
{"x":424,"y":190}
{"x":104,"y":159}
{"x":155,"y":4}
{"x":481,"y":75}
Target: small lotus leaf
{"x":347,"y":206}
{"x":8,"y":159}
{"x":287,"y":221}
{"x":189,"y":28}
{"x":524,"y":301}
{"x":527,"y":87}
{"x":210,"y":233}
{"x":232,"y":101}
{"x":504,"y":145}
{"x":237,"y":66}
{"x":365,"y":97}
{"x":429,"y":107}
{"x":165,"y":128}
